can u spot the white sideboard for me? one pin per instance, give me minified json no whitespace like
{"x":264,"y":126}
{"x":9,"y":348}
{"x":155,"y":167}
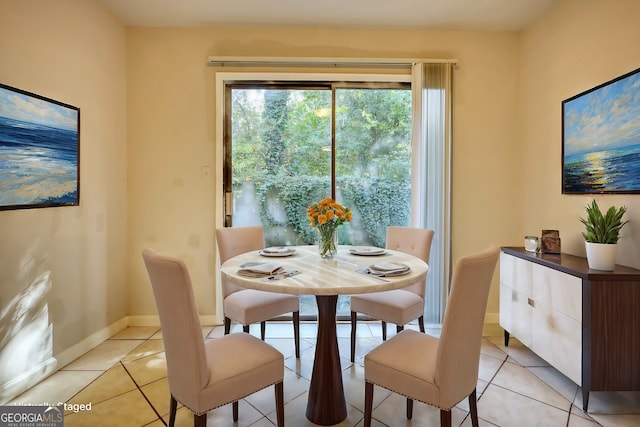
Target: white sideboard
{"x":583,"y":322}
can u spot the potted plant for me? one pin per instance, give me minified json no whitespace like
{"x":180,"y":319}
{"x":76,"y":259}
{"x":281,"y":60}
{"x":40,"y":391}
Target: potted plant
{"x":601,"y":235}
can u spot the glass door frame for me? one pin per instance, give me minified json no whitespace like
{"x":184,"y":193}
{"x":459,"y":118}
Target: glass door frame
{"x":303,"y":79}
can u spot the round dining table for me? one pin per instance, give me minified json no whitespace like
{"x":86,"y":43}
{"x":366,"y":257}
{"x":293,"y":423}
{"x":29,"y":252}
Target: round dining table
{"x":306,"y":273}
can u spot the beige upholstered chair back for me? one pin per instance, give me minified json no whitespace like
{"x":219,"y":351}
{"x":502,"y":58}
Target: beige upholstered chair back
{"x":413,"y":241}
{"x":234,"y":241}
{"x":181,"y":331}
{"x":461,"y":335}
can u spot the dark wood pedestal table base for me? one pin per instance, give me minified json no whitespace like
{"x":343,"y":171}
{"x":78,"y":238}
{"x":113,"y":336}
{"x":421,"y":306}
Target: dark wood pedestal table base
{"x":326,"y":279}
{"x":326,"y":405}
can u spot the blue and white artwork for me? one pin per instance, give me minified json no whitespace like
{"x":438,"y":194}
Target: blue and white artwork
{"x":39,"y":149}
{"x":601,"y":138}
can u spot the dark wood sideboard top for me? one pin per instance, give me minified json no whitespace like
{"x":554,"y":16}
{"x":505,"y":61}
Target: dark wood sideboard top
{"x":574,"y":265}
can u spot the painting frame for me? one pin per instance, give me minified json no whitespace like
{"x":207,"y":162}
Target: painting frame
{"x":39,"y":151}
{"x":601,"y":138}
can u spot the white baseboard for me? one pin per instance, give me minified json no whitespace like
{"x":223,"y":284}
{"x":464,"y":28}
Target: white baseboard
{"x":34,"y":375}
{"x":143,"y":321}
{"x":72,"y":353}
{"x":155,"y":320}
{"x":26,"y":380}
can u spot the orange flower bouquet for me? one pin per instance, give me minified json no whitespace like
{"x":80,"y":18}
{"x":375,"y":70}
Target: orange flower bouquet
{"x":327,"y":216}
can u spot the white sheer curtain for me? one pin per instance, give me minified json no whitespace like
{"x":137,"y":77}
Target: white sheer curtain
{"x":431,"y":200}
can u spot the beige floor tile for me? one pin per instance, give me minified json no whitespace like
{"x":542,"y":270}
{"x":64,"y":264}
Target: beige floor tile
{"x":157,"y":423}
{"x":114,"y":382}
{"x":512,"y":381}
{"x":59,"y":387}
{"x":129,"y":409}
{"x":556,"y":380}
{"x":520,"y":380}
{"x":577,"y":421}
{"x":489,"y":349}
{"x":601,"y":402}
{"x":147,"y":348}
{"x":158,"y":395}
{"x":506,"y":408}
{"x":295,"y":414}
{"x":518,"y":352}
{"x":104,"y":356}
{"x":223,"y":416}
{"x":136,"y":332}
{"x":392,"y":412}
{"x":578,"y":412}
{"x":184,"y":418}
{"x":304,"y":365}
{"x":147,"y":369}
{"x":488,"y":367}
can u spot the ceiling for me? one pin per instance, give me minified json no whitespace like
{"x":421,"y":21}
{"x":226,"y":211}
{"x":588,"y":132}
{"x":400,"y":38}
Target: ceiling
{"x":500,"y":15}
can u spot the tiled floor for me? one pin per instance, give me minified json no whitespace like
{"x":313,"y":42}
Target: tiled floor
{"x":124,"y":380}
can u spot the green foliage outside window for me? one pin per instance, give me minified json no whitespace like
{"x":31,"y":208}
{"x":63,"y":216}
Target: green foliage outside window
{"x":281,"y":144}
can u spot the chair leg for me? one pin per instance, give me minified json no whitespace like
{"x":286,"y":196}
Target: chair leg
{"x":368,"y":403}
{"x":200,"y":420}
{"x":384,"y":330}
{"x":227,"y":325}
{"x":445,"y":418}
{"x":421,"y":323}
{"x":409,"y":408}
{"x":473,"y":408}
{"x":173,"y":406}
{"x":296,"y":332}
{"x":234,"y":407}
{"x":354,"y":322}
{"x":245,"y":328}
{"x":280,"y":404}
{"x":263,"y":329}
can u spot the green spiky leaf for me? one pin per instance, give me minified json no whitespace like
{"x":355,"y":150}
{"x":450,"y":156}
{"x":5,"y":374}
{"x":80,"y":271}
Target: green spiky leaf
{"x":601,"y":228}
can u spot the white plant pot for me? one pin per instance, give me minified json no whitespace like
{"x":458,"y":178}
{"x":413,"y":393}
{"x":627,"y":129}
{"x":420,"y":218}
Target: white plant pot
{"x":601,"y":256}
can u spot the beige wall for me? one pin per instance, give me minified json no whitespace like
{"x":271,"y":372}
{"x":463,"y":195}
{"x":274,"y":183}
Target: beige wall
{"x":72,"y":51}
{"x":172,"y":131}
{"x":577,"y":45}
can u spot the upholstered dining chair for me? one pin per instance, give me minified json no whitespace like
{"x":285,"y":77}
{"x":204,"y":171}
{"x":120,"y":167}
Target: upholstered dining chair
{"x":206,"y":375}
{"x":247,"y":306}
{"x":438,"y":371}
{"x":399,"y":306}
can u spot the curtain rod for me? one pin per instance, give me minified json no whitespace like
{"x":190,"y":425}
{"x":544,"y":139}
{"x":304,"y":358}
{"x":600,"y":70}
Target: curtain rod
{"x":307,"y":61}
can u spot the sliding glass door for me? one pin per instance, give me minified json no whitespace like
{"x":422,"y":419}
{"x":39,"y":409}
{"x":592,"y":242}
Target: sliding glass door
{"x":288,"y":145}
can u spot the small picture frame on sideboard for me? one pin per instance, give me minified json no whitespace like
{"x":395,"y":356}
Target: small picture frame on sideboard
{"x":550,"y":242}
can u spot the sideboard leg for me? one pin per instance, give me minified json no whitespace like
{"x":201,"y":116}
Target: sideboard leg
{"x":585,"y":399}
{"x":506,"y":338}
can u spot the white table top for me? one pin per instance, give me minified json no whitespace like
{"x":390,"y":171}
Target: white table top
{"x":326,"y":277}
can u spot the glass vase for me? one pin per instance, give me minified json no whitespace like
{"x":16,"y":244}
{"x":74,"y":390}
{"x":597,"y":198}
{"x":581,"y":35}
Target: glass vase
{"x":327,"y":242}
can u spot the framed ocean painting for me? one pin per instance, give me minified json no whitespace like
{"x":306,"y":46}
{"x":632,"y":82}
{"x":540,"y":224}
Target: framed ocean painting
{"x":601,"y":138}
{"x":39,"y":151}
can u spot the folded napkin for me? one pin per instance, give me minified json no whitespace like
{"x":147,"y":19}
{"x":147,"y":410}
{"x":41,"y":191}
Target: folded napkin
{"x":386,"y":269}
{"x":264,"y":269}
